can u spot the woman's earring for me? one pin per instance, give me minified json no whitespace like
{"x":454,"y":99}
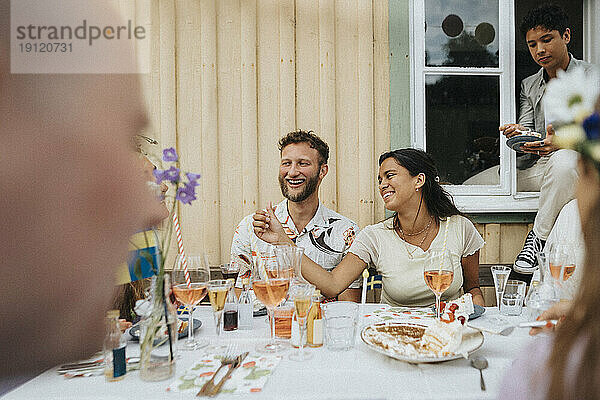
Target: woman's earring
{"x":416,"y":189}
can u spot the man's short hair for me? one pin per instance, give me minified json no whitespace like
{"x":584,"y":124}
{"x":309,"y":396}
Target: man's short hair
{"x":309,"y":137}
{"x":548,"y":16}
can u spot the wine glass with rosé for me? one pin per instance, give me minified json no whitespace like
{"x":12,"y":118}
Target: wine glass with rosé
{"x":192,"y":292}
{"x":438,"y":274}
{"x":271,"y":282}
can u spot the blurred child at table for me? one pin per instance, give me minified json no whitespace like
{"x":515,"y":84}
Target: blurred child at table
{"x":571,"y":355}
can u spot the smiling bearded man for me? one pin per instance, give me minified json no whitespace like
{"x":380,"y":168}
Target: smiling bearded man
{"x":324,"y":234}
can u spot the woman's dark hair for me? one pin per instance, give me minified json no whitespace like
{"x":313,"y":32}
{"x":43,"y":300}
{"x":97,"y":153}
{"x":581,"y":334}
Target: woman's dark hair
{"x":548,"y":16}
{"x":438,"y":201}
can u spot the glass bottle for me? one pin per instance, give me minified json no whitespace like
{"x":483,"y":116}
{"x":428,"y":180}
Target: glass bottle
{"x":314,"y":322}
{"x":115,"y":365}
{"x":544,"y":294}
{"x":245,"y":306}
{"x":230,"y":314}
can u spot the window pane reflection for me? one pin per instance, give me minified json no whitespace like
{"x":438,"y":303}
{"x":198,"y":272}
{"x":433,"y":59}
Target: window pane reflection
{"x":462,"y":119}
{"x":461,"y":33}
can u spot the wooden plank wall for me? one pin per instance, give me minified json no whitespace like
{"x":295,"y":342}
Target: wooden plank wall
{"x":230,"y":77}
{"x":502,"y":242}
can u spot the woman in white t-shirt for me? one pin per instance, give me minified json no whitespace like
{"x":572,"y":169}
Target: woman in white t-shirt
{"x":425,"y":218}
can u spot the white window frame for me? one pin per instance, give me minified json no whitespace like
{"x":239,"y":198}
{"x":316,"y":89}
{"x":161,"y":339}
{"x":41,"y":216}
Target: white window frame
{"x":503,"y":197}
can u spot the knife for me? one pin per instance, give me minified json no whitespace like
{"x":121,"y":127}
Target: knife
{"x":235,"y":366}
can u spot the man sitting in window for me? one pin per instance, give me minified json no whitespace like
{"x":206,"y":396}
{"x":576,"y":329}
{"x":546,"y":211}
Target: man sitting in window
{"x":324,"y":234}
{"x":543,"y":167}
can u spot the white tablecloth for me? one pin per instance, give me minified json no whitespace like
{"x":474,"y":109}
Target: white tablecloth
{"x":357,"y":374}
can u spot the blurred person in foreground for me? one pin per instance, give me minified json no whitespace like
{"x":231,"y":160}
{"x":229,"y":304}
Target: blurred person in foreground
{"x":566,"y":364}
{"x":72,"y":195}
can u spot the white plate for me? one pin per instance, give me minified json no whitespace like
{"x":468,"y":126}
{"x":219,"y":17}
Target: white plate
{"x":471,"y":341}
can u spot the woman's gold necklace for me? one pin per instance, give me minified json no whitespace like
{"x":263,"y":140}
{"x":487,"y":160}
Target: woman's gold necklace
{"x":426,"y":230}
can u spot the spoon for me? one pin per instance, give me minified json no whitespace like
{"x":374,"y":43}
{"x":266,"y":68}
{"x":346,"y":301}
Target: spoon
{"x":480,"y":363}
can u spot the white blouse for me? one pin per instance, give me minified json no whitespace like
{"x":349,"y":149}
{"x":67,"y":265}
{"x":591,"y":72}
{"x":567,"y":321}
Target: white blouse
{"x":401,"y":263}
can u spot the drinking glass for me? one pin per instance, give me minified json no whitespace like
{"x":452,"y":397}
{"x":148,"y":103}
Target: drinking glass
{"x":438,"y":274}
{"x":192,"y":294}
{"x":500,"y":274}
{"x":511,"y":302}
{"x":271,"y":282}
{"x":561,"y":262}
{"x":301,"y":294}
{"x":290,"y":257}
{"x":230,"y":270}
{"x":217,"y":294}
{"x":543,"y":295}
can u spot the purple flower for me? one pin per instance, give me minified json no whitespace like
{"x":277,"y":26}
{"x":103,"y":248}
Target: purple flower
{"x":170,"y":154}
{"x":186,"y":194}
{"x":172,"y":174}
{"x":591,"y":125}
{"x":159,"y":175}
{"x":193,"y":178}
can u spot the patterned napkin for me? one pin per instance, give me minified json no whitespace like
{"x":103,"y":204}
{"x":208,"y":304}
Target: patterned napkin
{"x":250,"y":377}
{"x":400,"y":314}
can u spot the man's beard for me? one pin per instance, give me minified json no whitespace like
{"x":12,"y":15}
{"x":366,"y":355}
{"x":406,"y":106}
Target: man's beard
{"x":309,"y":188}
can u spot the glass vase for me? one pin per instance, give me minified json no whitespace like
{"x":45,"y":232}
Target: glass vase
{"x":158,"y":334}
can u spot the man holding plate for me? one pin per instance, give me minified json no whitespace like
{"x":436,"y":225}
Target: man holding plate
{"x":544,"y":167}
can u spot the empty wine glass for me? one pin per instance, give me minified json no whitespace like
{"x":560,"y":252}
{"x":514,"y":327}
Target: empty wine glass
{"x":190,"y":292}
{"x":500,"y":273}
{"x":290,"y":258}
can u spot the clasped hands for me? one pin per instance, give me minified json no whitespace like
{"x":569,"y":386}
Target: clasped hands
{"x":540,"y":148}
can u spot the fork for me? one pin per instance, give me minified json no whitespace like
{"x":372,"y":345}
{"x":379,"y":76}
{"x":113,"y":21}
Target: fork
{"x":238,"y":361}
{"x":229,"y":358}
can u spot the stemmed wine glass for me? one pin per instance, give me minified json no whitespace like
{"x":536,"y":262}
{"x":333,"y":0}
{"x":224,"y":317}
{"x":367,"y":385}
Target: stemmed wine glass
{"x":271,"y":282}
{"x":562,"y":262}
{"x":301,"y":293}
{"x":290,"y":259}
{"x":438,"y":274}
{"x":217,"y":294}
{"x":190,"y":295}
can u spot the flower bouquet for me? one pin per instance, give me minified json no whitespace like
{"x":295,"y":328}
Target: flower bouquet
{"x":570,"y":102}
{"x":159,"y":325}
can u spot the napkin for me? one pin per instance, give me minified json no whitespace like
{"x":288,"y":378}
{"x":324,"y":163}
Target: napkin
{"x":250,"y":377}
{"x":494,"y":323}
{"x":400,"y":314}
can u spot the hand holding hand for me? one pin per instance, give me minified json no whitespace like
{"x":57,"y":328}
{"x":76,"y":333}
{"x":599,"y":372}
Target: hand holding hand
{"x":268,"y":228}
{"x":542,"y":147}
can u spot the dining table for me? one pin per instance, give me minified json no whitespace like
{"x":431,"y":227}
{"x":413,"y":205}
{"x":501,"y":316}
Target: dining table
{"x":358,"y":373}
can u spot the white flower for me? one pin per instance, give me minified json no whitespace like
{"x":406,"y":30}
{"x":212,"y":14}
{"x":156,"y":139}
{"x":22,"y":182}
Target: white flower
{"x":594,"y":152}
{"x":571,"y":96}
{"x":567,"y":136}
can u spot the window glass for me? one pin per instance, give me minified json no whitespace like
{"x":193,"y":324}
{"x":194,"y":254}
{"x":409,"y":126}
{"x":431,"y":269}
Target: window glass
{"x":462,"y":118}
{"x":461,"y":33}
